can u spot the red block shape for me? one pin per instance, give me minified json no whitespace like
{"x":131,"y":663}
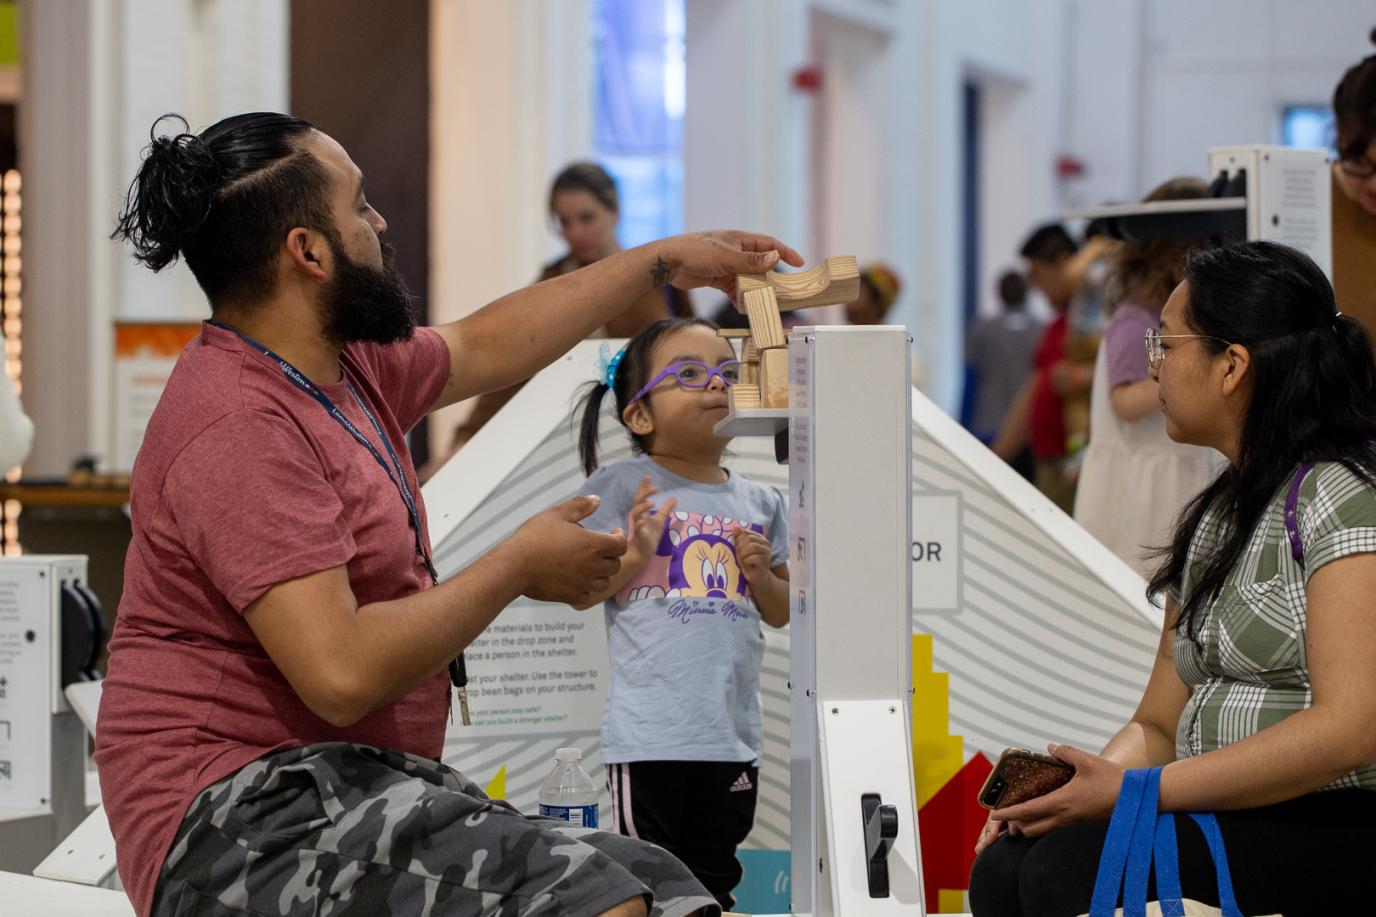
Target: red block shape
{"x":949,"y":825}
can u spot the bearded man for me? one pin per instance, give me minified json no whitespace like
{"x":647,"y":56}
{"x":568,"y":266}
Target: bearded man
{"x":271,"y":726}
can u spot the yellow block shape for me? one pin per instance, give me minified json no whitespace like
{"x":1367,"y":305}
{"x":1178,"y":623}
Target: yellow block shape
{"x":937,"y":755}
{"x":951,"y":901}
{"x":497,"y":788}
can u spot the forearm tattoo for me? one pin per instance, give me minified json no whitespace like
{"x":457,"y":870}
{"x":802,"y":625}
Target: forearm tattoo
{"x":659,"y":272}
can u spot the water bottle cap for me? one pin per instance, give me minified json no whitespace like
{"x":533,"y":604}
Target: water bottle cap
{"x":568,"y":754}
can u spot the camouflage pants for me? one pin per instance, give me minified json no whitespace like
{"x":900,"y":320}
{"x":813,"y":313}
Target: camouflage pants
{"x":340,"y":829}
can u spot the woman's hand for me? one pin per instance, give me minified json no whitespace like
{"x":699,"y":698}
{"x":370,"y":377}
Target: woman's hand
{"x":1090,"y":794}
{"x":713,"y":259}
{"x":993,"y":830}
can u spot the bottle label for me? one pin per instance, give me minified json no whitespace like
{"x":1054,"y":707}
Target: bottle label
{"x":578,"y":816}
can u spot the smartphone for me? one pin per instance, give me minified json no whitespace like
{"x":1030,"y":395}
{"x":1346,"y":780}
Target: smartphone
{"x":1022,"y":774}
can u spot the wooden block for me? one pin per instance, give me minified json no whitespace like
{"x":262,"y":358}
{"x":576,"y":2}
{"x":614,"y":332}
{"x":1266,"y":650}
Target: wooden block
{"x":749,"y":352}
{"x":750,"y":370}
{"x":837,"y":280}
{"x":766,"y":327}
{"x":733,"y":332}
{"x":774,"y":377}
{"x":744,"y":396}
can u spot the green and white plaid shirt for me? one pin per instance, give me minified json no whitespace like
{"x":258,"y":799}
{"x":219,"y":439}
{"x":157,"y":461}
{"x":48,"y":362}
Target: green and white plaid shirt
{"x":1250,"y":668}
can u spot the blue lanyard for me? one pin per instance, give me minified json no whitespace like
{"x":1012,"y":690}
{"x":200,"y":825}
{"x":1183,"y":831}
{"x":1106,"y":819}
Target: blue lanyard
{"x":398,"y":479}
{"x":458,"y":672}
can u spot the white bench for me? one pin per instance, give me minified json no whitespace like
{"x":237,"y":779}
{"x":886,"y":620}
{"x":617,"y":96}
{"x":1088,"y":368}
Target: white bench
{"x":87,"y":855}
{"x":31,"y":895}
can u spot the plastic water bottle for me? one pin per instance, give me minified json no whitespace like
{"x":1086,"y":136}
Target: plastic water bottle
{"x":569,"y":792}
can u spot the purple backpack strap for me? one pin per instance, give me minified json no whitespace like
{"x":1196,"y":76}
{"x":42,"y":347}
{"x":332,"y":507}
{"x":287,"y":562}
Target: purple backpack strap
{"x":1292,"y":525}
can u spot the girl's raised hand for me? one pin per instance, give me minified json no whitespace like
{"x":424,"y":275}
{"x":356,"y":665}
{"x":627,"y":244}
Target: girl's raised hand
{"x":645,"y":523}
{"x":753,"y":552}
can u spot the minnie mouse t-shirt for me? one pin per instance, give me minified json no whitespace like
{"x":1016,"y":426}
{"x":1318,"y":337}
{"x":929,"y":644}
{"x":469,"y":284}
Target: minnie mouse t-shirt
{"x":683,"y":634}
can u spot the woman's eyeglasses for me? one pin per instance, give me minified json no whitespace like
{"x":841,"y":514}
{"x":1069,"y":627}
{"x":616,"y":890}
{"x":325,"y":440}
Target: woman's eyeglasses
{"x":693,"y":374}
{"x":1357,"y":166}
{"x":1156,"y":353}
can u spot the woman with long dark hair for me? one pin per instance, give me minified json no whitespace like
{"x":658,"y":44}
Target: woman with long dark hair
{"x":1261,"y":705}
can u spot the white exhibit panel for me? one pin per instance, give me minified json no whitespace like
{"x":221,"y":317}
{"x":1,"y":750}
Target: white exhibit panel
{"x":43,"y":751}
{"x":1289,"y":195}
{"x":1256,"y":193}
{"x":26,"y":670}
{"x":850,"y":628}
{"x":30,"y":670}
{"x":853,"y":734}
{"x":1053,"y":637}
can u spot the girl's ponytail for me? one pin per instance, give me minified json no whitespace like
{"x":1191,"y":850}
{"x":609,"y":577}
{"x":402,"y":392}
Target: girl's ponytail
{"x":590,"y":408}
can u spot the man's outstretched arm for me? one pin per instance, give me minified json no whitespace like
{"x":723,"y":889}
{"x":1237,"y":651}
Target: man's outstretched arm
{"x":345,"y":661}
{"x":512,"y":338}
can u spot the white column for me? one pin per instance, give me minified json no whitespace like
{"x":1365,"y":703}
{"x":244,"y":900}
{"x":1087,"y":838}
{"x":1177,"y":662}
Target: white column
{"x":745,"y":130}
{"x":511,"y":104}
{"x":96,"y":76}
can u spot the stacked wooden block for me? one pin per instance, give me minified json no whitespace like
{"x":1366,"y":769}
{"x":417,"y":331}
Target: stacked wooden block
{"x":764,"y":350}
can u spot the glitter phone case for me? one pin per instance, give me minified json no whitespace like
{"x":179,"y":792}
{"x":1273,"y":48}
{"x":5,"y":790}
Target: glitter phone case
{"x":1020,"y":775}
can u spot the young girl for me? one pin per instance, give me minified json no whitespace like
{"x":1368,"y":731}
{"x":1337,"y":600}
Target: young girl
{"x":681,"y":732}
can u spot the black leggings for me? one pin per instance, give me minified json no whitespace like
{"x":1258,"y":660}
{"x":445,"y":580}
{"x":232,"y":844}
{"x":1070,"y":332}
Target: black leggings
{"x":1308,"y":856}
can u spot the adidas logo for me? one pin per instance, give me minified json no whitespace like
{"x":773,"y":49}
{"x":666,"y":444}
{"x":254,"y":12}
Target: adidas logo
{"x":742,"y":783}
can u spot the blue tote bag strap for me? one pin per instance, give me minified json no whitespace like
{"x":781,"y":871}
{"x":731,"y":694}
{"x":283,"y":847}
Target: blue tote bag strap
{"x":1227,"y":901}
{"x":1114,"y":858}
{"x":1167,"y":860}
{"x":1138,"y":869}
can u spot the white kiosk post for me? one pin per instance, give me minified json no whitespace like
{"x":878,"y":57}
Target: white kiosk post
{"x":849,"y":443}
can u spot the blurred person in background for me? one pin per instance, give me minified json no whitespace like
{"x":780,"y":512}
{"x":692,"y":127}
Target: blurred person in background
{"x":1037,"y":417}
{"x":879,"y":287}
{"x":1354,"y":192}
{"x":1135,"y":480}
{"x":1000,"y":350}
{"x":585,"y":208}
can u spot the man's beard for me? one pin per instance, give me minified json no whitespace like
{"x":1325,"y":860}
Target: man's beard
{"x":362,"y":303}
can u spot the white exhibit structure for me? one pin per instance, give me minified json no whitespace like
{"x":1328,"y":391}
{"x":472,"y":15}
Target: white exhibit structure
{"x":1257,"y":192}
{"x":854,"y":811}
{"x":1033,"y":630}
{"x":1036,"y":630}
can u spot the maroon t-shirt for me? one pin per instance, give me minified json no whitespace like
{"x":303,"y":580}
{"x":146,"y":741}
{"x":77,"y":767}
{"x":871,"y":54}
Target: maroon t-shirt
{"x":1047,"y":432}
{"x":245,"y":481}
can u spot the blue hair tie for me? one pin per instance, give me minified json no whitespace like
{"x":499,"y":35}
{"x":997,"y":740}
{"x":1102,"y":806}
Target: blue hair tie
{"x":607,"y":368}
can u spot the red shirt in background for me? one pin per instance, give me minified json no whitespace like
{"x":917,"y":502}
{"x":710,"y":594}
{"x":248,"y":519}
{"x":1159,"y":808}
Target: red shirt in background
{"x":1047,"y":433}
{"x":245,"y":481}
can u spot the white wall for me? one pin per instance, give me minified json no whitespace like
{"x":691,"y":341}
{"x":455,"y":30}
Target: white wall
{"x":882,"y":180}
{"x":745,"y":130}
{"x":1153,"y":85}
{"x":1136,"y":89}
{"x":1012,"y":50}
{"x":511,"y":103}
{"x":96,"y":75}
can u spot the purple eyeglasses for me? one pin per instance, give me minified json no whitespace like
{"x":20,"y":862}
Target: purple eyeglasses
{"x":693,"y":374}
